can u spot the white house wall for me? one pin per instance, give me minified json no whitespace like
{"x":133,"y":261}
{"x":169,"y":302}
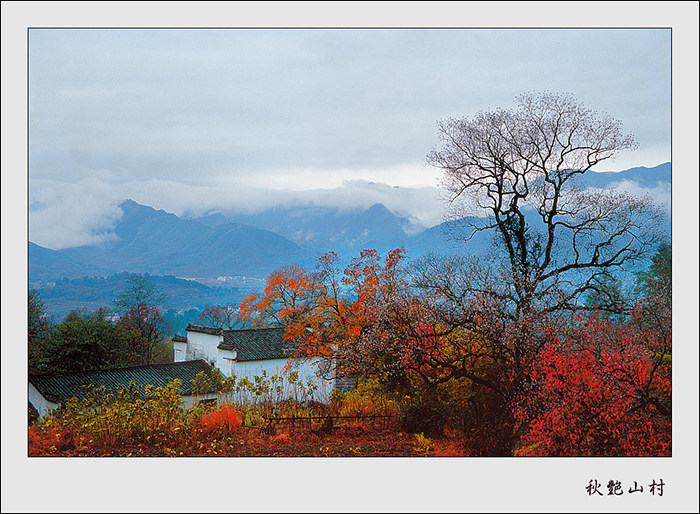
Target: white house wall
{"x":225,"y":361}
{"x":192,"y":400}
{"x":203,"y":346}
{"x":41,"y":404}
{"x":307,"y":371}
{"x":179,"y":351}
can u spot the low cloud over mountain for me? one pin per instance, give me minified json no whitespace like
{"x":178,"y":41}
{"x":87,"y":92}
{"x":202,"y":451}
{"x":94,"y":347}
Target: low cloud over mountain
{"x":64,"y":215}
{"x":240,"y":243}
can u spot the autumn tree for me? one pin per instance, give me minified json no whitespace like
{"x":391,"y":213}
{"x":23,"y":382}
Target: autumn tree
{"x":329,"y":312}
{"x":481,"y":324}
{"x":371,"y":321}
{"x":556,"y":243}
{"x":367,"y":319}
{"x":520,"y":170}
{"x":307,"y":304}
{"x":601,"y":390}
{"x":138,"y":309}
{"x":150,"y":324}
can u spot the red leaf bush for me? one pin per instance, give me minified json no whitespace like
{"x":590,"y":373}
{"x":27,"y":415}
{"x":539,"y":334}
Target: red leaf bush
{"x":221,"y":422}
{"x":600,"y":391}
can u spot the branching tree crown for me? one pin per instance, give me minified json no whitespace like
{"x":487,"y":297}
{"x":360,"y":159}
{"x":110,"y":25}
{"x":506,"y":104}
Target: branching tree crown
{"x":520,"y":167}
{"x":221,"y":316}
{"x":139,"y":291}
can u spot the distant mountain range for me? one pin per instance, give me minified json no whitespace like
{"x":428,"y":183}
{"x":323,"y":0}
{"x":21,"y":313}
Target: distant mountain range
{"x":644,"y":177}
{"x":322,"y":229}
{"x":160,"y":243}
{"x":220,"y":245}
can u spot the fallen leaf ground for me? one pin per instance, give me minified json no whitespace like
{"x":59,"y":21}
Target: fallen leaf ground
{"x":341,"y":442}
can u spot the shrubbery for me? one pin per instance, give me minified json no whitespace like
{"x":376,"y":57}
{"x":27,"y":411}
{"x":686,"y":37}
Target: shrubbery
{"x":422,"y":414}
{"x":602,"y":390}
{"x":368,"y":399}
{"x":134,"y":415}
{"x":222,"y":422}
{"x":138,"y":420}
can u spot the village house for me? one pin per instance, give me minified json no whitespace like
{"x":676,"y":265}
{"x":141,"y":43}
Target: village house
{"x":53,"y":390}
{"x":247,"y":353}
{"x":253,"y":352}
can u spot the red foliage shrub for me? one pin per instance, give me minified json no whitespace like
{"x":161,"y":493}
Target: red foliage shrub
{"x":38,"y":442}
{"x":49,"y":441}
{"x":223,"y":421}
{"x":602,"y":391}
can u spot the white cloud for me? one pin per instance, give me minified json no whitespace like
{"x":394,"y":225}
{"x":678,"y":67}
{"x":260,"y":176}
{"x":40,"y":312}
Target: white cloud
{"x":67,"y":214}
{"x":660,"y":195}
{"x":170,"y":105}
{"x":62,"y":215}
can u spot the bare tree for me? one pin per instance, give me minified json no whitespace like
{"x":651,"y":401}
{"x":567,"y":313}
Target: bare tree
{"x":139,"y":291}
{"x":226,"y":317}
{"x":521,"y":168}
{"x":516,"y":174}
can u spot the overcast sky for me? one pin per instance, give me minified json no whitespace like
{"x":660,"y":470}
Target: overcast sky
{"x":189,"y":120}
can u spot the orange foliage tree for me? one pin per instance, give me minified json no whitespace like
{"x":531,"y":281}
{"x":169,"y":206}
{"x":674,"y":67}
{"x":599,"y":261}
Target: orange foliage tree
{"x":328,"y":313}
{"x":371,"y":321}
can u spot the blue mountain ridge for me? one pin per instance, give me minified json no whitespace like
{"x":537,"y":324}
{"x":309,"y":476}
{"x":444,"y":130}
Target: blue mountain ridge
{"x":157,"y":242}
{"x":163,"y":244}
{"x":644,"y":177}
{"x":323,"y":229}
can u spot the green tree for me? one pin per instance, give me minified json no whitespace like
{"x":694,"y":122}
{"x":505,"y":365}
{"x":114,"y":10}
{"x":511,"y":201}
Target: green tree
{"x":655,"y":290}
{"x":138,"y":309}
{"x":86,"y":341}
{"x":657,"y":279}
{"x":606,"y":297}
{"x":39,"y":325}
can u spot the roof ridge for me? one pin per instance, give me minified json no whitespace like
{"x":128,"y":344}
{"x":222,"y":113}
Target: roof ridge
{"x":252,"y":329}
{"x":195,"y":325}
{"x":102,"y":370}
{"x":204,"y":329}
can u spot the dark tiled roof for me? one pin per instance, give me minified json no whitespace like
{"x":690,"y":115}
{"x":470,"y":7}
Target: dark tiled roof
{"x":59,"y":387}
{"x":177,"y":338}
{"x":204,"y":330}
{"x":257,"y":344}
